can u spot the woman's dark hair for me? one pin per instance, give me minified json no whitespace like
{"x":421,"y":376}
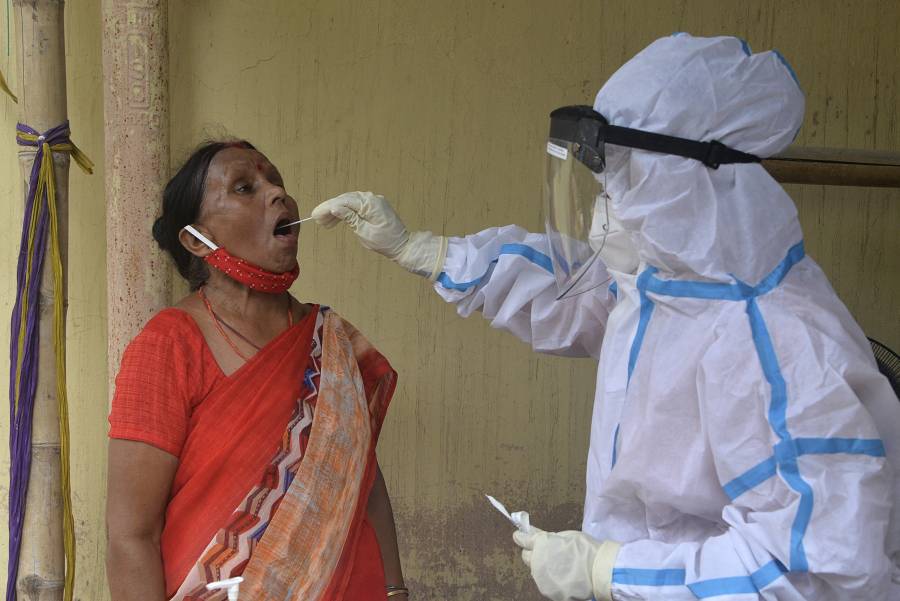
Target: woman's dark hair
{"x":181,"y":205}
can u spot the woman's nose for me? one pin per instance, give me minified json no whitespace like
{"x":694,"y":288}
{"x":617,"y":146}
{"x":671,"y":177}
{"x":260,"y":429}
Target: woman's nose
{"x":276,"y":194}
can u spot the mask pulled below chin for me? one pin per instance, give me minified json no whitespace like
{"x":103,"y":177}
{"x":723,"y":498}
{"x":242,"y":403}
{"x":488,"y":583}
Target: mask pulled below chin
{"x":250,"y":275}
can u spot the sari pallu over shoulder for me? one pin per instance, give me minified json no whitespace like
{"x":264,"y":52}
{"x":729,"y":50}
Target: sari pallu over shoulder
{"x":238,"y":429}
{"x":308,"y":549}
{"x":233,"y":435}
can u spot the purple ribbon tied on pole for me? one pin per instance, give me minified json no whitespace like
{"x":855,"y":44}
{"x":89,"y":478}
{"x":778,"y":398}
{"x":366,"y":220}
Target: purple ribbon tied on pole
{"x":40,"y":230}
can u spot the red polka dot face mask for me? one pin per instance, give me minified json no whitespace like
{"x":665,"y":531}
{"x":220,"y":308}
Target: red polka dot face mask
{"x":248,"y":274}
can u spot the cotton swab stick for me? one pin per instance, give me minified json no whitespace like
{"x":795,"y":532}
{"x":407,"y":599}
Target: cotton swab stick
{"x":287,"y":225}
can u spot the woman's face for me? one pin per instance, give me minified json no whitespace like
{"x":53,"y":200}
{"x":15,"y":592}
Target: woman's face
{"x":243,"y":202}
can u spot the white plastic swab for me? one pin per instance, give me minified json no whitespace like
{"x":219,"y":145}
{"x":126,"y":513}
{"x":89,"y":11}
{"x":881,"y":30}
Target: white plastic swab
{"x":232,"y":584}
{"x":519,"y":519}
{"x":287,"y":225}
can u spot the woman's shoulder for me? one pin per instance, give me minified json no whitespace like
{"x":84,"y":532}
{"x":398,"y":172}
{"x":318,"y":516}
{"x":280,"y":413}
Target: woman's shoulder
{"x":170,"y":332}
{"x":321,"y":312}
{"x":172,"y":322}
{"x":169,"y":348}
{"x":359,"y":341}
{"x":303,"y":309}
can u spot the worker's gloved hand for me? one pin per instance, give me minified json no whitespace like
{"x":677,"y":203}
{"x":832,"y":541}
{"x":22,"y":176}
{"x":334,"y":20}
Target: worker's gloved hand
{"x":380,"y":229}
{"x":568,"y":566}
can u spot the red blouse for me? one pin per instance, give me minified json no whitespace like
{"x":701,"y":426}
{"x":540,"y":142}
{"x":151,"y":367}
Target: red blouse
{"x":166,"y":371}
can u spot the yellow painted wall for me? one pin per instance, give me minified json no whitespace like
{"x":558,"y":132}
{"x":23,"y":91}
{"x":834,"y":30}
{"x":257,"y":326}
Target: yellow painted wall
{"x":442,"y":106}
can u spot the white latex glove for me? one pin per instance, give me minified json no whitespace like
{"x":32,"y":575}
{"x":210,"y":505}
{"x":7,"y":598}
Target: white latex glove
{"x":570,"y":565}
{"x":380,"y":229}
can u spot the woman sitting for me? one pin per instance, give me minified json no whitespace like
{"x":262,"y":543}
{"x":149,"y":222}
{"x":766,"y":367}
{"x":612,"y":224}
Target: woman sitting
{"x":244,"y":423}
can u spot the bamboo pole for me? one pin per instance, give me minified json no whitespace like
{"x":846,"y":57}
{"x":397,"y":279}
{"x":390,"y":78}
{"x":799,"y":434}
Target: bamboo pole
{"x":835,"y":167}
{"x":41,"y":68}
{"x":136,"y":106}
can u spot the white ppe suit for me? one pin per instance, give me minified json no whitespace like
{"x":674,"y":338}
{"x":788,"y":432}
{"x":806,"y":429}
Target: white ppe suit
{"x":742,"y":441}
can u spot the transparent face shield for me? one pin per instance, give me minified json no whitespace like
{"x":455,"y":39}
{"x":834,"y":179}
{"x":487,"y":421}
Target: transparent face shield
{"x":577,"y":219}
{"x":575,"y":202}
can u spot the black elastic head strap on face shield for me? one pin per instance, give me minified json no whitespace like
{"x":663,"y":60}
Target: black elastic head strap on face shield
{"x":589,"y":131}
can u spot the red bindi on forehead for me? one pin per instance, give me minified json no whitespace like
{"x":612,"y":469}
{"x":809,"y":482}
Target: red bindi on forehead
{"x":259,"y":166}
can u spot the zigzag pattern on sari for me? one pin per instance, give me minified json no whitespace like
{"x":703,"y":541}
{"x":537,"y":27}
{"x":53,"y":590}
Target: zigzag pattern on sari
{"x":306,"y":551}
{"x":230,"y":550}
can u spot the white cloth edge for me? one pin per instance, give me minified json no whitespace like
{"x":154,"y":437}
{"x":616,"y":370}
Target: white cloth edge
{"x":601,"y":571}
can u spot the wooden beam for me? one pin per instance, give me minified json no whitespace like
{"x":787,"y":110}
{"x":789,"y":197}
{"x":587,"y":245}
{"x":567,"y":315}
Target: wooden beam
{"x":836,"y":167}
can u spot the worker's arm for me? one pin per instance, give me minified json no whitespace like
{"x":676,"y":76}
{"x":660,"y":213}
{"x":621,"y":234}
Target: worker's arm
{"x":506,"y":274}
{"x":140,"y":477}
{"x":381,"y":516}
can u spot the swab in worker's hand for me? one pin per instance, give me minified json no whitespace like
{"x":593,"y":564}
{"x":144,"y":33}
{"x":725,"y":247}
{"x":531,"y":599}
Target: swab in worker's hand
{"x":519,"y":519}
{"x":287,"y":225}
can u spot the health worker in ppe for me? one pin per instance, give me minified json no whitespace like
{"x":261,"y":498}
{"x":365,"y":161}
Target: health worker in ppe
{"x":743,"y":443}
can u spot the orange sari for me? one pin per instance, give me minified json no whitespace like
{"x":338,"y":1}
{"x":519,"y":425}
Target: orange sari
{"x":310,"y":550}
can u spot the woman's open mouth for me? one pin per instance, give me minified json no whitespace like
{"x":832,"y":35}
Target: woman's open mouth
{"x":284,"y":231}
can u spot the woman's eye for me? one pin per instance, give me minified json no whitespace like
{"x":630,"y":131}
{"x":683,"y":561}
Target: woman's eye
{"x":242,"y":188}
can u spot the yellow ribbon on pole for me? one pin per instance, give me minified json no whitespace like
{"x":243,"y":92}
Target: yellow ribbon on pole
{"x":83,"y":161}
{"x":59,"y":347}
{"x":45,"y":188}
{"x":5,"y":87}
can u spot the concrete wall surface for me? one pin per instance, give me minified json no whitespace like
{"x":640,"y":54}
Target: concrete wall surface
{"x":442,"y":107}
